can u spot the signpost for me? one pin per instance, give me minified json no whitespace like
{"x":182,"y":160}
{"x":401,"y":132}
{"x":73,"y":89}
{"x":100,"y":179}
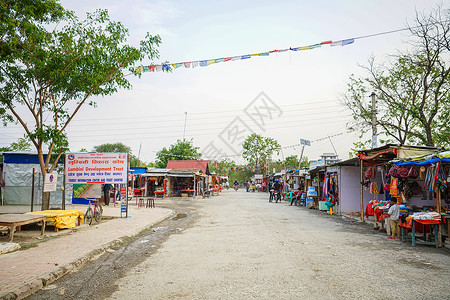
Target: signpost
{"x":97,"y":168}
{"x":304,"y":143}
{"x":82,"y":168}
{"x":50,"y":182}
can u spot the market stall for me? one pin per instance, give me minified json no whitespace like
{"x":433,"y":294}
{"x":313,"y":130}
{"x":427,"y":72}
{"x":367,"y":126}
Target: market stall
{"x":429,"y":184}
{"x":374,"y":172}
{"x":181,"y":183}
{"x":156,"y":182}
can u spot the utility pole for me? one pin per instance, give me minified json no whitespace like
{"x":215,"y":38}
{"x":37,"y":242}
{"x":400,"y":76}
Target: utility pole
{"x":185,"y":118}
{"x":374,"y":121}
{"x":139,"y":154}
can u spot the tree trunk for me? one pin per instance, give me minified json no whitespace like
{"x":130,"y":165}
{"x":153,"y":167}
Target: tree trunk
{"x":45,"y":200}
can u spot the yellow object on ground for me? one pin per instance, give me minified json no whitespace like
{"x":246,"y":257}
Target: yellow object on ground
{"x":61,"y":218}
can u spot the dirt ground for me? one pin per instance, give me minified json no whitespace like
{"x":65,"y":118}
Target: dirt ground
{"x":240,"y":246}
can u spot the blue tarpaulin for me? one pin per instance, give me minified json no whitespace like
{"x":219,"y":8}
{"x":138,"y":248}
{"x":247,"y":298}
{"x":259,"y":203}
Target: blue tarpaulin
{"x":138,"y":170}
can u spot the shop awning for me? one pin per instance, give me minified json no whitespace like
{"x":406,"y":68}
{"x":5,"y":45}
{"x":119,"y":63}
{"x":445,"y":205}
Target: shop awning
{"x":423,"y":160}
{"x":154,"y":174}
{"x":137,"y":171}
{"x":180,"y":175}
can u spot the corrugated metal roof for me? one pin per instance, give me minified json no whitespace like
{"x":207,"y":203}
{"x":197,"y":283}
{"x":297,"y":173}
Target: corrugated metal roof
{"x":189,"y":164}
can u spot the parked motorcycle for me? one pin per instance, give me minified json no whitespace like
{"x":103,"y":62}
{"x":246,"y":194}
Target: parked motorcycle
{"x":277,"y":196}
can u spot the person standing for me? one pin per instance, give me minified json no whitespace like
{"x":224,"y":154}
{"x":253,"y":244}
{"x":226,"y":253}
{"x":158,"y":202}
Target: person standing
{"x":394,"y":213}
{"x":106,"y":188}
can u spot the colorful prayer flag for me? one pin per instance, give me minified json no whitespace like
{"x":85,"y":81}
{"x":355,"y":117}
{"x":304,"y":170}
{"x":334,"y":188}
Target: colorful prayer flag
{"x":348,"y":42}
{"x":204,"y":63}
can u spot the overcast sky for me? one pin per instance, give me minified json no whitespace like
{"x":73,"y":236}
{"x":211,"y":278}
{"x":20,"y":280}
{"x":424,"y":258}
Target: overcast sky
{"x":297,"y":92}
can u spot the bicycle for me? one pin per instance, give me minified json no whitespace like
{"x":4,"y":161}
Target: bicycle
{"x":95,"y":213}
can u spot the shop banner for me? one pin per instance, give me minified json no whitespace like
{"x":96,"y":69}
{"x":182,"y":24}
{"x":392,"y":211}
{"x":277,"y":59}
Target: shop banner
{"x":50,"y":182}
{"x":83,"y":168}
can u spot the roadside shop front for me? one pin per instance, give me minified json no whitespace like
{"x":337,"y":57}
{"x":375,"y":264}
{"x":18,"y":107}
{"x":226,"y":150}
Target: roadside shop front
{"x":137,"y":180}
{"x":180,"y":183}
{"x":374,"y":174}
{"x":424,"y":189}
{"x":156,"y":182}
{"x":315,"y":187}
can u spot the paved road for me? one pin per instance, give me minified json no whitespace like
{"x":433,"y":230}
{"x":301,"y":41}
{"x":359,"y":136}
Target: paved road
{"x":240,"y":246}
{"x":243,"y":247}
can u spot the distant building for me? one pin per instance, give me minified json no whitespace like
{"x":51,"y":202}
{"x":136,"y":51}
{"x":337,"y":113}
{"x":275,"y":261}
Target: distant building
{"x":325,"y":160}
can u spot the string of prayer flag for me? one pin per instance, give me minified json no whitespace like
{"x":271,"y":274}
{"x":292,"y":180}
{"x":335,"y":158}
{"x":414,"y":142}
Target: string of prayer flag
{"x":207,"y":62}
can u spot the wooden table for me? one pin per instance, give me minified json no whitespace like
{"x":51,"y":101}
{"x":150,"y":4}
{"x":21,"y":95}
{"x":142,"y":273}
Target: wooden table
{"x":14,"y":221}
{"x":424,"y":223}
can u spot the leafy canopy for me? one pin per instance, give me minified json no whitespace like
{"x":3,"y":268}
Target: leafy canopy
{"x":413,"y":91}
{"x":292,"y":162}
{"x":181,"y":150}
{"x":121,"y":148}
{"x":48,"y":75}
{"x":257,"y":149}
{"x":52,"y":63}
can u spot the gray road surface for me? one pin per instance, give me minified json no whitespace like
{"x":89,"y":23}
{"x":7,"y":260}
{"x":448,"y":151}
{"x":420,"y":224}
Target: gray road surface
{"x":243,"y":247}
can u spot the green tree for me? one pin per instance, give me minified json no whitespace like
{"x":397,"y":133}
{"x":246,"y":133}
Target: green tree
{"x":258,"y":149}
{"x":49,"y":74}
{"x":181,"y":150}
{"x":22,"y":144}
{"x":223,"y":167}
{"x":412,"y":92}
{"x":122,"y":148}
{"x":292,"y":162}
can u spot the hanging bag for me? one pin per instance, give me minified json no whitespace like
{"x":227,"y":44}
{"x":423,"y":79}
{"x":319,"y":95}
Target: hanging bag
{"x":393,"y":171}
{"x":412,"y":173}
{"x":368,"y":172}
{"x":402,"y":172}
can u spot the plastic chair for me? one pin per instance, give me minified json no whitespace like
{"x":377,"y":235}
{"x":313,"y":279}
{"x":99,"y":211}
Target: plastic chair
{"x":330,"y":206}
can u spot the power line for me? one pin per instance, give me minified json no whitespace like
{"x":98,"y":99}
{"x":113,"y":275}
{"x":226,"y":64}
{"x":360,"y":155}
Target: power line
{"x":321,"y":113}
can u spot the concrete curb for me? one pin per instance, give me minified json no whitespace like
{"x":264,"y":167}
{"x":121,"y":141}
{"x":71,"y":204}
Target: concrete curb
{"x":37,"y":284}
